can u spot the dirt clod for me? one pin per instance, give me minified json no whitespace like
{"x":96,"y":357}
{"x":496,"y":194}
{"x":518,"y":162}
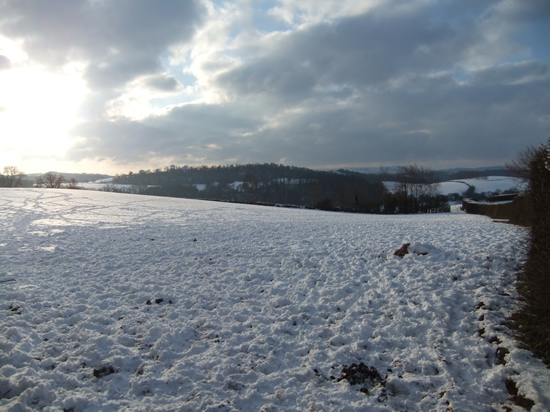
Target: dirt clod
{"x":103,"y":371}
{"x":404,"y":250}
{"x":361,"y":374}
{"x":518,"y":398}
{"x":501,"y":354}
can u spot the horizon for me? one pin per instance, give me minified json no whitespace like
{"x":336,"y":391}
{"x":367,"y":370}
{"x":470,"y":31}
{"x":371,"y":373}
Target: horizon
{"x":371,"y":170}
{"x":120,"y":86}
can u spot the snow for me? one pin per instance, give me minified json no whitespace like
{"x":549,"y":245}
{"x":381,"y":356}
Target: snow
{"x":484,"y":202}
{"x":200,"y":187}
{"x":146,"y":303}
{"x":285,"y":180}
{"x":236,"y":185}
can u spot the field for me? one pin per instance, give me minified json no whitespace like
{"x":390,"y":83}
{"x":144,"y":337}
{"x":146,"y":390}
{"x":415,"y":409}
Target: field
{"x":111,"y":301}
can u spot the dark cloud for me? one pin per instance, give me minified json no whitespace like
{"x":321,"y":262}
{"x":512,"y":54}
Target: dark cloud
{"x":164,"y":83}
{"x":513,"y":73}
{"x":201,"y":131}
{"x":121,"y":140}
{"x":428,"y":119}
{"x":361,"y":51}
{"x":387,"y":87}
{"x":119,"y":70}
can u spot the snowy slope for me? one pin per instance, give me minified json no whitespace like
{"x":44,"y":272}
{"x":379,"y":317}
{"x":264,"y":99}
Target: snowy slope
{"x":490,"y":184}
{"x":146,"y":303}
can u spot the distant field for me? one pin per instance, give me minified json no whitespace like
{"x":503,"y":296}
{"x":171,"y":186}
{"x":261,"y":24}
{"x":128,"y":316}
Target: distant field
{"x":491,"y":184}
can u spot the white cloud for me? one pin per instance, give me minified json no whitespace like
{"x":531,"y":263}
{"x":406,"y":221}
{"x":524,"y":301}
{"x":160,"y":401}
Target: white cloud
{"x":316,"y":11}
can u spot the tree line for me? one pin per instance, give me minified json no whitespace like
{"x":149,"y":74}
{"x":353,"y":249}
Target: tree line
{"x":13,"y":177}
{"x":414,"y":191}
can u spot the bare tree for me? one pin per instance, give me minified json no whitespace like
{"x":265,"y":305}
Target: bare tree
{"x":385,"y":174}
{"x":520,"y":166}
{"x":251,"y":185}
{"x":416,"y":182}
{"x":12,"y":177}
{"x":112,"y":188}
{"x":50,"y":180}
{"x":73,"y":184}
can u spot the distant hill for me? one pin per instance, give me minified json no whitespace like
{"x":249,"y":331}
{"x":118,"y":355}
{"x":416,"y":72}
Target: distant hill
{"x":261,"y":183}
{"x":440,"y":175}
{"x":453,"y":174}
{"x":353,"y":189}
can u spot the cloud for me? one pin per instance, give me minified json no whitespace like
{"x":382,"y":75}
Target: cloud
{"x":5,"y":63}
{"x":316,"y":83}
{"x":358,"y":51}
{"x":163,"y":83}
{"x":513,"y":74}
{"x":368,"y":82}
{"x":427,"y":119}
{"x":117,"y":40}
{"x":121,"y":140}
{"x":183,"y":133}
{"x":378,"y":47}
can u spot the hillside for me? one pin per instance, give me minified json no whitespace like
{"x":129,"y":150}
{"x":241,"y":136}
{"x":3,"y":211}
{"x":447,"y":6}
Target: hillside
{"x":260,"y":183}
{"x":121,"y":301}
{"x":361,"y":190}
{"x":487,"y":184}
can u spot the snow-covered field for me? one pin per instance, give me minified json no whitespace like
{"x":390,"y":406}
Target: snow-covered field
{"x":142,"y":303}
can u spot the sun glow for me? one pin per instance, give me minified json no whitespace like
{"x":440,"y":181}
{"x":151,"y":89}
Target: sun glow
{"x":37,"y":109}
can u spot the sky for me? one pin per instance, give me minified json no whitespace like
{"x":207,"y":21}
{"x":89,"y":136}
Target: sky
{"x":105,"y":86}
